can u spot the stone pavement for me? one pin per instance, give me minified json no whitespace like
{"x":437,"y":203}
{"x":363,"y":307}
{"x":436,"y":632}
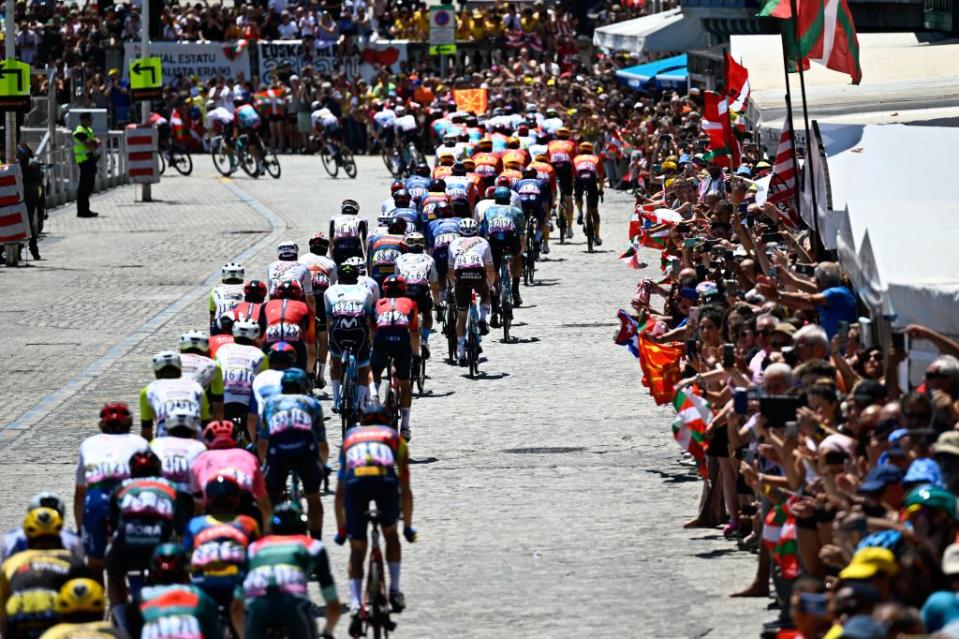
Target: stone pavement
{"x":549,"y":494}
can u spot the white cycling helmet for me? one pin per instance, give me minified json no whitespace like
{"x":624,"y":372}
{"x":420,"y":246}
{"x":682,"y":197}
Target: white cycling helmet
{"x":350,"y":207}
{"x":415,"y":239}
{"x":468,"y":227}
{"x":359,"y":263}
{"x":46,"y":499}
{"x":384,"y":217}
{"x":183,"y":418}
{"x":165,"y":359}
{"x":287,"y":249}
{"x":246,"y":328}
{"x":233,"y":272}
{"x":195,"y":339}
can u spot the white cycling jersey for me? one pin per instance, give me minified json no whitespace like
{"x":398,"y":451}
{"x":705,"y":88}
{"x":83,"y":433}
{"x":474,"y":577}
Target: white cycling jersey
{"x":405,"y":124}
{"x":225,"y":297}
{"x":385,"y":118}
{"x":324,"y":118}
{"x":346,"y":227}
{"x":416,"y":268}
{"x":469,"y":252}
{"x":479,"y":212}
{"x":199,"y":367}
{"x":286,"y":270}
{"x":239,"y":364}
{"x":160,"y":397}
{"x":16,"y":541}
{"x":345,"y":301}
{"x":371,"y":286}
{"x":177,"y":455}
{"x":387,"y":205}
{"x":219,"y":115}
{"x":106,"y":457}
{"x":458,"y":151}
{"x":266,"y":384}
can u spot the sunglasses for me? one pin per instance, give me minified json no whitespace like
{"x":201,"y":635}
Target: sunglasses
{"x":935,"y":375}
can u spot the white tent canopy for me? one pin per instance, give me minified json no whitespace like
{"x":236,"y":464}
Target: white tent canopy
{"x":656,"y":33}
{"x":900,"y":239}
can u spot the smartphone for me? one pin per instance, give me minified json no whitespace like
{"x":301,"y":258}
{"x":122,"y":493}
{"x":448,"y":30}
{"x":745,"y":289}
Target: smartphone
{"x":842,"y":331}
{"x":779,"y":409}
{"x":729,"y":356}
{"x":772,"y":236}
{"x":899,"y":340}
{"x":694,"y":315}
{"x":700,"y":272}
{"x":731,"y":286}
{"x":728,"y":255}
{"x":792,"y":430}
{"x":690,"y":242}
{"x":805,"y":269}
{"x":741,"y":401}
{"x":774,"y":272}
{"x":691,"y":348}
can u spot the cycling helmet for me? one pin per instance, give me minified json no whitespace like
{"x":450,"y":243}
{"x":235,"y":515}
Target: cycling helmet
{"x":185,"y":419}
{"x":115,"y":417}
{"x":220,"y":434}
{"x":512,"y":143}
{"x":319,"y":243}
{"x":168,"y":565}
{"x":42,"y":522}
{"x":396,"y":226}
{"x":282,"y":355}
{"x":349,"y":207}
{"x":288,"y":519}
{"x":542,"y":157}
{"x":376,"y":414}
{"x":523,"y":129}
{"x":423,"y":169}
{"x":469,"y":164}
{"x":394,"y":286}
{"x":254,"y":291}
{"x":468,"y":227}
{"x":585,"y":147}
{"x":438,"y":186}
{"x":449,"y":138}
{"x":232,"y":272}
{"x":81,"y":596}
{"x":348,"y":272}
{"x":447,"y":159}
{"x":145,"y":463}
{"x":484,"y":145}
{"x":504,"y":180}
{"x":384,"y":217}
{"x":295,"y":381}
{"x":415,"y":240}
{"x":225,"y":324}
{"x":246,"y":328}
{"x":223,"y":494}
{"x":396,"y":186}
{"x":542,"y":137}
{"x":167,"y":359}
{"x":401,"y":198}
{"x":551,"y":113}
{"x":514,"y":164}
{"x":359,"y":263}
{"x":443,"y":209}
{"x":502,"y":195}
{"x":46,"y":499}
{"x":287,"y":250}
{"x":195,"y":341}
{"x":563,"y":133}
{"x":529,"y":173}
{"x":489,"y":193}
{"x":288,"y":290}
{"x":463,"y":136}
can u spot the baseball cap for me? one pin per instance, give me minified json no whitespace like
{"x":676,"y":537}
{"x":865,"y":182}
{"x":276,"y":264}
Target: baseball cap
{"x":947,"y":444}
{"x":762,"y":164}
{"x":950,"y":560}
{"x":940,"y":609}
{"x":880,"y":477}
{"x":744,"y":170}
{"x":785,"y":328}
{"x":863,"y":627}
{"x":923,"y":471}
{"x":931,"y":497}
{"x":869,"y":562}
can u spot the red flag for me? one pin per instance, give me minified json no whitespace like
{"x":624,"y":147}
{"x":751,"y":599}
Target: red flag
{"x":737,"y":85}
{"x":660,"y":364}
{"x":782,"y":185}
{"x":723,"y":147}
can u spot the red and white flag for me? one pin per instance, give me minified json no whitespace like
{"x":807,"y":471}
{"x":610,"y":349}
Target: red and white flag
{"x":782,"y":190}
{"x":737,"y":85}
{"x":723,"y":147}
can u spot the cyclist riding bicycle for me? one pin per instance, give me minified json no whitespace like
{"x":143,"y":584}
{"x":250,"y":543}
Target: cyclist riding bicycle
{"x":419,"y":270}
{"x":217,"y":542}
{"x":487,"y":164}
{"x":471,"y":270}
{"x":348,"y":232}
{"x":80,"y":606}
{"x":16,"y":540}
{"x":282,"y":356}
{"x":240,"y":362}
{"x":440,"y":233}
{"x":532,"y":193}
{"x":434,"y":197}
{"x":170,"y":391}
{"x":396,"y":335}
{"x":374,"y":466}
{"x":177,"y":450}
{"x":504,"y":226}
{"x":168,"y":602}
{"x":404,"y":210}
{"x":407,"y":129}
{"x":387,"y":204}
{"x":365,"y":279}
{"x":382,"y":228}
{"x":197,"y":365}
{"x":279,"y":567}
{"x":288,"y":267}
{"x":247,"y":122}
{"x":384,"y":120}
{"x":228,"y":293}
{"x":292,"y":438}
{"x":323,"y":274}
{"x":224,"y":457}
{"x":590,"y":178}
{"x":101,"y":466}
{"x":561,"y":152}
{"x":349,"y":309}
{"x":254,"y":294}
{"x":327,"y":127}
{"x":419,"y":183}
{"x":289,"y":319}
{"x":386,"y":249}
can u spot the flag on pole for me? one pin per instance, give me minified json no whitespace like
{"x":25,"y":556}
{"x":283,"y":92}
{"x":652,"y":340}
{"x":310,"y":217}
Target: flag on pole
{"x":660,"y":364}
{"x":723,"y":147}
{"x":630,"y":257}
{"x":779,"y":536}
{"x":782,"y":189}
{"x":475,"y":100}
{"x":776,"y":9}
{"x":689,"y":428}
{"x":737,"y":85}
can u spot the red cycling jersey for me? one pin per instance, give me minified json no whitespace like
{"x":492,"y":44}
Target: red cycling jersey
{"x":561,"y":151}
{"x":519,"y":156}
{"x":396,"y":313}
{"x":487,"y":164}
{"x":589,"y":163}
{"x":288,"y":321}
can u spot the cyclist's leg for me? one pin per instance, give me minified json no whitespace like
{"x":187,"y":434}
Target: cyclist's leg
{"x":355,"y":504}
{"x":579,"y":188}
{"x":462,"y":297}
{"x":363,"y":382}
{"x":378,"y":361}
{"x":593,"y":205}
{"x":403,"y":361}
{"x":388,"y":506}
{"x":516,"y":266}
{"x":336,"y":366}
{"x":543,"y":221}
{"x":311,"y":478}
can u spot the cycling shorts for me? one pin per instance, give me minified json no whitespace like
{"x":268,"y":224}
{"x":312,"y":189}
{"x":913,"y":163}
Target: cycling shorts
{"x":535,"y":209}
{"x":420,"y":293}
{"x":396,"y":344}
{"x":360,"y":491}
{"x":587,"y":184}
{"x":96,"y":514}
{"x":467,"y":281}
{"x":441,"y":257}
{"x":344,"y":335}
{"x":284,"y":611}
{"x":564,"y":177}
{"x":509,"y":245}
{"x":298,"y":455}
{"x":123,"y":558}
{"x":345,"y":248}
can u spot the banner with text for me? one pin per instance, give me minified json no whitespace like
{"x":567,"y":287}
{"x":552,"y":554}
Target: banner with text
{"x":204,"y":59}
{"x":277,"y":54}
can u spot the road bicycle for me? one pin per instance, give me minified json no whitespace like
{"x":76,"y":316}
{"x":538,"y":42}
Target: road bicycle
{"x":473,"y":337}
{"x":588,"y":229}
{"x":333,"y":156}
{"x":505,"y":298}
{"x":449,"y":324}
{"x":393,"y":394}
{"x":375,"y":607}
{"x":178,"y":157}
{"x":418,"y":373}
{"x":561,"y":224}
{"x":224,"y":156}
{"x":349,"y":404}
{"x":531,"y":251}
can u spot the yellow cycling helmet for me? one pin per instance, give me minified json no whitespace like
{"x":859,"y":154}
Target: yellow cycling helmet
{"x":563,"y":133}
{"x":669,"y":165}
{"x":447,"y":159}
{"x":542,"y":157}
{"x":79,"y":596}
{"x":585,"y":147}
{"x":41,"y":522}
{"x":513,"y":164}
{"x":485,"y":144}
{"x":512,"y":143}
{"x":469,"y":164}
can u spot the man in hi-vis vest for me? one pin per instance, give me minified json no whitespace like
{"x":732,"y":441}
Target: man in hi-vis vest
{"x":85,"y":145}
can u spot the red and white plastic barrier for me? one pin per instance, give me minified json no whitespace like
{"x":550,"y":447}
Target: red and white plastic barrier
{"x":14,"y":224}
{"x":143,"y":164}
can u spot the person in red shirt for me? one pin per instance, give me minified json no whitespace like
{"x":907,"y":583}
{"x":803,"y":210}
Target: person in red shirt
{"x":590,"y":179}
{"x":515,"y":154}
{"x":434,"y":196}
{"x":222,"y":332}
{"x":488,"y":164}
{"x":396,"y":335}
{"x":254,"y":294}
{"x":561,"y":152}
{"x":288,"y":319}
{"x":546,"y":173}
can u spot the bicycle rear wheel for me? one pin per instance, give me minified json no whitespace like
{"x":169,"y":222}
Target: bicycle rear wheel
{"x":162,"y":158}
{"x":588,"y":230}
{"x":420,"y":378}
{"x":182,"y":162}
{"x":221,"y":159}
{"x":561,"y":225}
{"x":506,"y":310}
{"x":329,"y":162}
{"x":450,"y":328}
{"x":272,"y":164}
{"x":249,"y":164}
{"x":389,"y":159}
{"x":349,"y":164}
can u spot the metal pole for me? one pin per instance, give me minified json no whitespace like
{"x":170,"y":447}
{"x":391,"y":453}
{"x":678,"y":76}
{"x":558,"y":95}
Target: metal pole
{"x":145,"y":194}
{"x":9,"y":43}
{"x":792,"y":126}
{"x":442,"y":65}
